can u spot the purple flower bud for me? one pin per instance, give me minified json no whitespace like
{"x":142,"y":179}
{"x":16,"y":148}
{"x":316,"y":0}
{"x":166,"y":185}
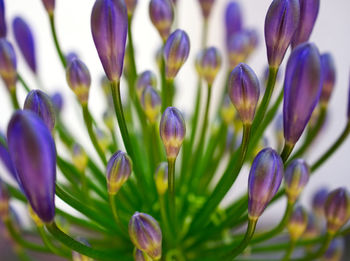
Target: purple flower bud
{"x":8,"y":64}
{"x":119,"y":168}
{"x":244,"y":91}
{"x":172,"y":131}
{"x":79,"y":80}
{"x":109,"y":25}
{"x":33,"y":152}
{"x":57,"y":101}
{"x":151,"y":104}
{"x":311,"y":230}
{"x":141,"y":256}
{"x":162,"y":16}
{"x":308,"y":15}
{"x":3,"y":27}
{"x":130,"y":6}
{"x":279,"y":132}
{"x":335,"y":250}
{"x":302,"y":89}
{"x":318,"y":201}
{"x":49,"y":6}
{"x":5,"y":157}
{"x":281,"y":22}
{"x":40,"y":103}
{"x":328,"y":77}
{"x":209,"y":64}
{"x":79,"y":157}
{"x":238,"y":47}
{"x":71,"y":56}
{"x":206,"y":6}
{"x":145,"y":233}
{"x":145,"y":79}
{"x":265,"y":178}
{"x":176,"y":51}
{"x":4,"y":201}
{"x":233,"y":19}
{"x":197,"y":63}
{"x":297,"y":223}
{"x":253,"y":39}
{"x":25,"y":41}
{"x":161,"y":178}
{"x":296,"y":177}
{"x":228,"y":111}
{"x":337,"y":209}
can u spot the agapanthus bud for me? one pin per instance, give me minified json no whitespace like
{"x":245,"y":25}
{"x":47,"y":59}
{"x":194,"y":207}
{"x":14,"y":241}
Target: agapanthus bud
{"x":161,"y":178}
{"x":308,"y":15}
{"x":297,"y":223}
{"x":318,"y":201}
{"x":281,"y":22}
{"x":5,"y":157}
{"x":233,"y":19}
{"x":162,"y":16}
{"x":311,"y":230}
{"x":265,"y":178}
{"x":335,"y":250}
{"x":296,"y":177}
{"x":328,"y":77}
{"x":25,"y":41}
{"x":33,"y":152}
{"x":176,"y":51}
{"x":302,"y":89}
{"x":108,"y":119}
{"x":8,"y":64}
{"x":71,"y":56}
{"x":279,"y":132}
{"x":40,"y":103}
{"x":244,"y":91}
{"x":253,"y":39}
{"x":151,"y":104}
{"x":145,"y":233}
{"x":130,"y":6}
{"x":4,"y":201}
{"x":337,"y":209}
{"x":79,"y":157}
{"x":238,"y":47}
{"x":119,"y":168}
{"x":172,"y":131}
{"x":197,"y":63}
{"x":49,"y":6}
{"x":145,"y":79}
{"x":79,"y":80}
{"x":57,"y":102}
{"x":3,"y":27}
{"x":228,"y":111}
{"x":141,"y":256}
{"x":206,"y":7}
{"x":210,"y":64}
{"x":109,"y":25}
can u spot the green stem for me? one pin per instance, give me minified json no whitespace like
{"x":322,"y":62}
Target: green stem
{"x":204,"y":33}
{"x":289,"y":251}
{"x":165,"y":219}
{"x":23,"y":83}
{"x":55,"y":39}
{"x":50,"y":245}
{"x":92,"y":135}
{"x":113,"y":205}
{"x":14,"y":99}
{"x":287,"y":150}
{"x":131,"y":52}
{"x":163,"y":85}
{"x":320,"y":252}
{"x":171,"y":191}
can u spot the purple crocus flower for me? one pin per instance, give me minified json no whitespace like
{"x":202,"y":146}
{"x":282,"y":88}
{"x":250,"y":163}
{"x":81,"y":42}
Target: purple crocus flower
{"x":308,"y":15}
{"x":296,"y":177}
{"x":109,"y":26}
{"x":233,"y":19}
{"x":281,"y":22}
{"x":328,"y":77}
{"x":302,"y":89}
{"x":145,"y":233}
{"x":8,"y":64}
{"x":265,"y":178}
{"x":244,"y":91}
{"x":3,"y":26}
{"x":6,"y":158}
{"x":162,"y":16}
{"x":49,"y":6}
{"x":176,"y":51}
{"x":33,"y":152}
{"x":297,"y":223}
{"x":25,"y":41}
{"x":206,"y":7}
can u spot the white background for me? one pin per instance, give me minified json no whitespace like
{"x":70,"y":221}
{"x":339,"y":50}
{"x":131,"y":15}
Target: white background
{"x":331,"y":34}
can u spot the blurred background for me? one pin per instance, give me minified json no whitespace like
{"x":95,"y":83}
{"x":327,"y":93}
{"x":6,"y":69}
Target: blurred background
{"x":331,"y":34}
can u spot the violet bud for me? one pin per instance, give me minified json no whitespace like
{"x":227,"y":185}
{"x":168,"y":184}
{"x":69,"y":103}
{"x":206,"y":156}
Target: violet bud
{"x":233,"y":19}
{"x":302,"y":89}
{"x":228,"y":111}
{"x":57,"y":102}
{"x":238,"y":47}
{"x":253,"y":39}
{"x":145,"y":233}
{"x":119,"y":168}
{"x":109,"y":25}
{"x":328,"y":78}
{"x":25,"y":41}
{"x":244,"y":91}
{"x":337,"y":209}
{"x":79,"y":157}
{"x":311,"y":230}
{"x":172,"y":131}
{"x":6,"y":158}
{"x":281,"y":22}
{"x":8,"y":64}
{"x":141,"y":256}
{"x":4,"y":201}
{"x":151,"y":104}
{"x":49,"y":6}
{"x":308,"y":15}
{"x":206,"y":7}
{"x":3,"y":26}
{"x":162,"y":16}
{"x":79,"y":80}
{"x":265,"y":178}
{"x":197,"y":63}
{"x":33,"y":152}
{"x":210,"y":64}
{"x":297,"y":223}
{"x":296,"y":177}
{"x":71,"y":56}
{"x":40,"y":103}
{"x":335,"y":250}
{"x":318,"y":201}
{"x":279,"y":132}
{"x":130,"y":6}
{"x":176,"y":51}
{"x":161,"y":178}
{"x":145,"y":79}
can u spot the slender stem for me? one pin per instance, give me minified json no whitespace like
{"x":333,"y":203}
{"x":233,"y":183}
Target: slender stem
{"x":163,"y":84}
{"x":14,"y":99}
{"x":320,"y":252}
{"x":132,"y":64}
{"x":170,"y":92}
{"x":204,"y":33}
{"x":165,"y":219}
{"x":23,"y":83}
{"x":50,"y":245}
{"x":113,"y":205}
{"x":287,"y":150}
{"x":92,"y":135}
{"x":171,"y":191}
{"x":55,"y":39}
{"x":289,"y":251}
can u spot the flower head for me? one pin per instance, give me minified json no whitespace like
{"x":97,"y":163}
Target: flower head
{"x":151,"y":104}
{"x":162,"y":16}
{"x":147,"y":78}
{"x":161,"y":178}
{"x":233,"y":19}
{"x":296,"y":177}
{"x":130,"y":6}
{"x":6,"y":158}
{"x":8,"y":64}
{"x":318,"y":201}
{"x":57,"y":102}
{"x":71,"y":56}
{"x":209,"y":64}
{"x":328,"y":78}
{"x":297,"y":223}
{"x":49,"y":6}
{"x":206,"y":6}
